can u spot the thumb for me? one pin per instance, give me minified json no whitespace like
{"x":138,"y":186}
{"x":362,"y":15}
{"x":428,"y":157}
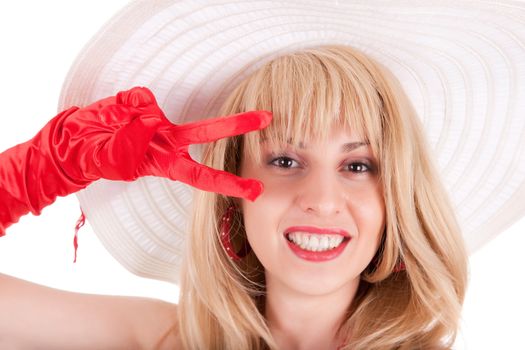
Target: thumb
{"x":130,"y":144}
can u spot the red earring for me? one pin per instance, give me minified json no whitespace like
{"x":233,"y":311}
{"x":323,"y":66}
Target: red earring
{"x":226,"y":221}
{"x":400,"y":267}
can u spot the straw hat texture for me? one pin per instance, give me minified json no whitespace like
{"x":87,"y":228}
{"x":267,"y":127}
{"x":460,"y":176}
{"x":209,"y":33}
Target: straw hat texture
{"x":462,"y":64}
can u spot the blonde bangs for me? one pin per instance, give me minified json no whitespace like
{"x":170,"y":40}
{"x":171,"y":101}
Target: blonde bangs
{"x":300,"y":88}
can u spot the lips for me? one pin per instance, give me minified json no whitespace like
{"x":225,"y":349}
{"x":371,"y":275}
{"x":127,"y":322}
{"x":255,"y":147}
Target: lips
{"x":319,"y":255}
{"x":317,"y":230}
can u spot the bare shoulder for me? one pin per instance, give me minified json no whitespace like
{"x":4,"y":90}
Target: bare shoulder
{"x":147,"y":323}
{"x":82,"y":320}
{"x":158,"y":325}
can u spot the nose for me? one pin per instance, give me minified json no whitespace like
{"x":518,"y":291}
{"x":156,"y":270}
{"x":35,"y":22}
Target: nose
{"x":320,"y":193}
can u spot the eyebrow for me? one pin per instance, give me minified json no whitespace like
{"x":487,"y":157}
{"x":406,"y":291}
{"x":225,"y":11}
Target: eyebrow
{"x":347,"y":147}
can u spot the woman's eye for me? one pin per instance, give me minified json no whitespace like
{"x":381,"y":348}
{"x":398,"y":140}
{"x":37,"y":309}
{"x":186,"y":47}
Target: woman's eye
{"x":358,"y":167}
{"x":284,"y":162}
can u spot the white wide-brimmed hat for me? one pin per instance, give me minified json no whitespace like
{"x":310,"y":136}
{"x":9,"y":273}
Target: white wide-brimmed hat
{"x":462,"y":64}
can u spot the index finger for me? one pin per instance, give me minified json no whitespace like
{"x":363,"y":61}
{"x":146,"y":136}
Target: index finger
{"x":212,"y":129}
{"x":200,"y":176}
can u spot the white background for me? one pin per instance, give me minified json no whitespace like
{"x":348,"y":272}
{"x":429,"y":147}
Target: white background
{"x":39,"y":41}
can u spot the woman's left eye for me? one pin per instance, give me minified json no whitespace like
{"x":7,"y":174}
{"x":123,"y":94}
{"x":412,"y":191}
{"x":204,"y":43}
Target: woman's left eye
{"x":358,"y":167}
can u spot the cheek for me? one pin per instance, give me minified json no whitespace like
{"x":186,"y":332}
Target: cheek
{"x":372,"y":211}
{"x":369,"y":213}
{"x":259,"y":224}
{"x":262,"y":218}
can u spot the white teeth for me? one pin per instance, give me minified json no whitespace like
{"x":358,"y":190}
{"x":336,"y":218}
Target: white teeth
{"x":313,"y":242}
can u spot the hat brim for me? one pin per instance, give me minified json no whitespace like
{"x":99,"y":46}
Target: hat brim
{"x":462,"y":64}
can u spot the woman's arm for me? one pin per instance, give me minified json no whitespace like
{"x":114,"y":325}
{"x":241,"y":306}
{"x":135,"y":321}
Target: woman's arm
{"x":37,"y":317}
{"x":121,"y":137}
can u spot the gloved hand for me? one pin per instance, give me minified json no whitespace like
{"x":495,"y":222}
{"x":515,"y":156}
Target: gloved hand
{"x":122,"y":137}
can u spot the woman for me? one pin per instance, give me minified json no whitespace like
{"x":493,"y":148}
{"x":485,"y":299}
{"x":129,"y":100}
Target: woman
{"x":323,"y":99}
{"x":344,"y":157}
{"x":328,"y":162}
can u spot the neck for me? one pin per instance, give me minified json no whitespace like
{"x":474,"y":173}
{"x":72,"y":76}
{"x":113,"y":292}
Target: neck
{"x":300,"y":321}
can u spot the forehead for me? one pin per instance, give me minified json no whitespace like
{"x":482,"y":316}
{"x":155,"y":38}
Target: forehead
{"x":300,"y":127}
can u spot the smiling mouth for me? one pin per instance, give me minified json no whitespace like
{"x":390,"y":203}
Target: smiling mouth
{"x":316,"y":242}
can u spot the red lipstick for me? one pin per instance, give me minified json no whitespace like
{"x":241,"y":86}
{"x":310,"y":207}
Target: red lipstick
{"x":318,"y":256}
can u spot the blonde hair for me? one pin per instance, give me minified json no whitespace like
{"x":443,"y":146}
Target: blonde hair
{"x":222,"y":301}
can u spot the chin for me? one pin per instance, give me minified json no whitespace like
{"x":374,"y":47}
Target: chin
{"x":322,"y":285}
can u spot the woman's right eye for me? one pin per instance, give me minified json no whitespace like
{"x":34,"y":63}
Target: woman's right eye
{"x":284,"y":162}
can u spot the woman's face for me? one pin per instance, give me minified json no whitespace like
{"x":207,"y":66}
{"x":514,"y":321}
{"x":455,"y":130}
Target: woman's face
{"x":315,"y":197}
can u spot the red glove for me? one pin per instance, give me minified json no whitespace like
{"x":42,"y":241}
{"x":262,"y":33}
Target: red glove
{"x":122,"y":137}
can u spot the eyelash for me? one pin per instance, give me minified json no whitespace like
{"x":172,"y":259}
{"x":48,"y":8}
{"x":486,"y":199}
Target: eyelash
{"x":280,"y":158}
